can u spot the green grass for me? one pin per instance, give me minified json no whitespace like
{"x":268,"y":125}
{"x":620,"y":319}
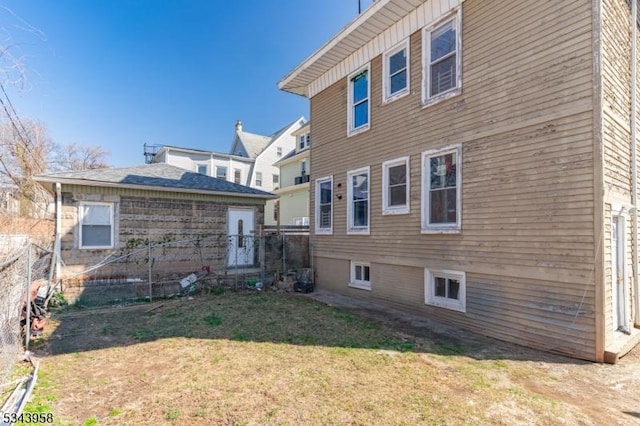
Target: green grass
{"x":213,"y":320}
{"x":266,"y":358}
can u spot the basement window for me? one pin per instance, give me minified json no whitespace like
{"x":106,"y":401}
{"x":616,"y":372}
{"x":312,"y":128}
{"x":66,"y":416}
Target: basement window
{"x":445,"y":289}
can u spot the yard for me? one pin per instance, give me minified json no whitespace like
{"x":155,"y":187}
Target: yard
{"x":267,"y":358}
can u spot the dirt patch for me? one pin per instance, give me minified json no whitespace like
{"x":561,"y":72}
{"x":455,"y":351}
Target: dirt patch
{"x":605,"y":394}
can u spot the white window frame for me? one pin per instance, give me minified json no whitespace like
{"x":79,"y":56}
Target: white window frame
{"x":259,"y":179}
{"x":318,"y":229}
{"x":80,"y":225}
{"x":351,"y":130}
{"x":427,"y":98}
{"x":226,"y":171}
{"x":276,"y":179}
{"x":387,"y":96}
{"x":206,"y":169}
{"x":237,"y":176}
{"x":430,"y":298}
{"x":351,"y":229}
{"x":386,"y":208}
{"x":279,"y":151}
{"x":440,"y":228}
{"x":359,"y":284}
{"x":303,"y":167}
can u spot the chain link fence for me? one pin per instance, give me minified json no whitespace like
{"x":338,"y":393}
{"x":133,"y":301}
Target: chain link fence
{"x":145,"y":269}
{"x":21,"y":264}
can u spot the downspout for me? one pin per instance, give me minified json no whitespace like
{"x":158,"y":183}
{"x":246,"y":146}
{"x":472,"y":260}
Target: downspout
{"x":56,"y":244}
{"x":634,"y":159}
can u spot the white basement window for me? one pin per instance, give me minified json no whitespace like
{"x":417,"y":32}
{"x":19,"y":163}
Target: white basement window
{"x":360,"y":276}
{"x":445,"y":289}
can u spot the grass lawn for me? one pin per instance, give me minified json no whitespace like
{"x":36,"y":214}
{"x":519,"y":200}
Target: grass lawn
{"x":266,"y":358}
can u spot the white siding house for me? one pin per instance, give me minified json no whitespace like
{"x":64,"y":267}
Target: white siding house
{"x":294,"y":180}
{"x":250,"y":160}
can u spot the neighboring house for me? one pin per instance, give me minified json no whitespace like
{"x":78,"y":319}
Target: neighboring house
{"x":231,"y":168}
{"x":476,"y":161}
{"x":9,"y":200}
{"x":294,"y":181}
{"x":100,"y":212}
{"x":250,"y":160}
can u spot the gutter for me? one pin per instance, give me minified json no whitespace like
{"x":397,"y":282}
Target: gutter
{"x":56,"y":244}
{"x":83,"y":182}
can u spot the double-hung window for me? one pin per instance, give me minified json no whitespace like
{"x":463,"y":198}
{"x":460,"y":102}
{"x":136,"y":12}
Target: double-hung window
{"x":445,"y":289}
{"x":237,"y":176}
{"x":441,"y":190}
{"x":96,"y":225}
{"x":258,"y":178}
{"x":358,"y":201}
{"x":324,"y":205}
{"x":359,"y":101}
{"x":395,"y":186}
{"x":221,"y":172}
{"x":202,"y":169}
{"x":396,"y":72}
{"x":442,"y":69}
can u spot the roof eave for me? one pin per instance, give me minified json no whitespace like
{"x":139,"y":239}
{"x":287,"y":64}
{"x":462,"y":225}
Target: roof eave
{"x":295,"y":83}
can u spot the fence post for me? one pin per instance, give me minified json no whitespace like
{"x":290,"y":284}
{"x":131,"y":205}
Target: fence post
{"x":261,"y":254}
{"x":150,"y":285}
{"x":284,"y":254}
{"x":27,"y":331}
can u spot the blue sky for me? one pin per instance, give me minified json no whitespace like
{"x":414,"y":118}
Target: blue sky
{"x":120,"y":73}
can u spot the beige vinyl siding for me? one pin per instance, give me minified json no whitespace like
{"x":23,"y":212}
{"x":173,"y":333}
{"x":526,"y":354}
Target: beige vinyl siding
{"x":524,"y":120}
{"x":616,"y":97}
{"x":616,"y":111}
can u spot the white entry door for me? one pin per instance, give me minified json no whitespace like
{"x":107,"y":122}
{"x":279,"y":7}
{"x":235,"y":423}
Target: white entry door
{"x":240,"y":247}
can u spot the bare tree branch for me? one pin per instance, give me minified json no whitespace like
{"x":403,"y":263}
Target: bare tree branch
{"x":74,"y":156}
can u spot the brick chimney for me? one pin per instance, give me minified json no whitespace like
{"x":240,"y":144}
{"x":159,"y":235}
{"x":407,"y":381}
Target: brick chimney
{"x":238,"y":126}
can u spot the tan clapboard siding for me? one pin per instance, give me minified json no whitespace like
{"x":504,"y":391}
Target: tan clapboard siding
{"x":616,"y":96}
{"x":566,"y":325}
{"x":616,"y":105}
{"x":525,"y":122}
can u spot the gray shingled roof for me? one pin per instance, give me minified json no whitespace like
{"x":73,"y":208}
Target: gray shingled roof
{"x":158,"y":175}
{"x":253,"y":144}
